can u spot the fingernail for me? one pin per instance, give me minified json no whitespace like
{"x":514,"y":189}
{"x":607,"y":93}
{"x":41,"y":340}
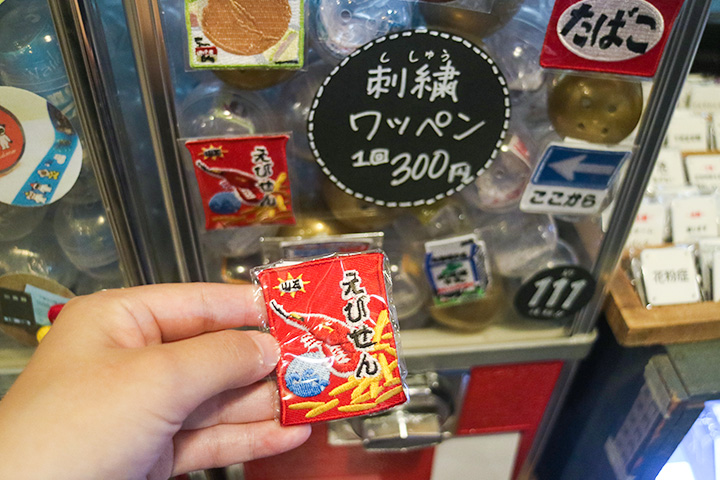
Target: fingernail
{"x":268,"y":347}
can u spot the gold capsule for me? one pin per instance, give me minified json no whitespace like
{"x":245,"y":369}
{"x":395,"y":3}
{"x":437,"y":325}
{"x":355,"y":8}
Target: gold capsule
{"x":470,"y":24}
{"x":254,"y":79}
{"x":357,"y":214}
{"x":597,"y":110}
{"x":311,"y":227}
{"x":237,"y":270}
{"x":443,"y":218}
{"x":471,"y":316}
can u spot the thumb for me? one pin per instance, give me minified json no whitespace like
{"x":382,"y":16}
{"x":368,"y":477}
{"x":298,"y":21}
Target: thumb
{"x":203,"y":366}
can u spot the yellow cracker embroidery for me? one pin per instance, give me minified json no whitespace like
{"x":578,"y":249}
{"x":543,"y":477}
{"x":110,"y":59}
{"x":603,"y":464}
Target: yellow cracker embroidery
{"x":389,"y":394}
{"x":364,"y":383}
{"x":322,"y":409}
{"x":393,"y":382}
{"x":350,"y":384}
{"x":386,"y":347}
{"x":380,"y":326}
{"x":375,"y":388}
{"x":303,"y":405}
{"x":361,"y":399}
{"x":387,"y":372}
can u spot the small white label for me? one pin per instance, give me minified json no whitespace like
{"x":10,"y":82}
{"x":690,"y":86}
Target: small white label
{"x":562,"y":200}
{"x":716,"y":275}
{"x":706,"y":251}
{"x":694,"y":218}
{"x":649,"y":226}
{"x":704,"y":170}
{"x":668,"y":171}
{"x":705,"y":98}
{"x":688,"y":131}
{"x":670,"y":276}
{"x":606,"y":217}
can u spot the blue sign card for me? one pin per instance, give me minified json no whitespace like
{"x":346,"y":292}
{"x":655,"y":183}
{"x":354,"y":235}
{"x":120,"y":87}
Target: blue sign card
{"x":573,"y":180}
{"x":579,"y":167}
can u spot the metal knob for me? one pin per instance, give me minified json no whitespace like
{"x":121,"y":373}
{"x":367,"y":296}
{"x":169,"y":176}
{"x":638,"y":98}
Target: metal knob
{"x":416,"y":424}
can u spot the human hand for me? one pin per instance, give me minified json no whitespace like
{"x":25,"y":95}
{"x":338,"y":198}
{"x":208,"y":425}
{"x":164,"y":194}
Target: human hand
{"x":146,"y":382}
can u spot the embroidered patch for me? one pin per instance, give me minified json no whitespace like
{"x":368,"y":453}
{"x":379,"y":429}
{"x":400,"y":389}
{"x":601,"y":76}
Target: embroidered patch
{"x":616,"y":36}
{"x":242,"y":181}
{"x":332,"y":318}
{"x":255,"y":33}
{"x":457,"y":268}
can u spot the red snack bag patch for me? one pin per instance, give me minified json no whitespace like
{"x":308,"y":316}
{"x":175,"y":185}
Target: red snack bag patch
{"x":331,"y":317}
{"x":242,"y":181}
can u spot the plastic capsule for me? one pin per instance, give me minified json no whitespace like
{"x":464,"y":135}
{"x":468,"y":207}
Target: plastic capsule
{"x":597,"y":110}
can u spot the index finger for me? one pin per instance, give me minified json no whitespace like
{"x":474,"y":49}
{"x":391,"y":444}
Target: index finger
{"x":170,"y":312}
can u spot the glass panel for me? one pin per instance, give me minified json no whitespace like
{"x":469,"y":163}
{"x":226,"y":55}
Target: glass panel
{"x":55,"y":237}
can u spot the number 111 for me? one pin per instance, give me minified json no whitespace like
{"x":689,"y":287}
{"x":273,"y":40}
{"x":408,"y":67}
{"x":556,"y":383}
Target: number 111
{"x":558,"y":293}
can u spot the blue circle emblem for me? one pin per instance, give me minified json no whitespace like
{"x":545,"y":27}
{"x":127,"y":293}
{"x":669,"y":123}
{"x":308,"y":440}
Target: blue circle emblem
{"x":225,"y":203}
{"x":308,"y":375}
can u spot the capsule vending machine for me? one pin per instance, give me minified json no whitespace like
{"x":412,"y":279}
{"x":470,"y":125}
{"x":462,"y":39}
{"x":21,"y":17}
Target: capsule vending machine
{"x":494,"y":151}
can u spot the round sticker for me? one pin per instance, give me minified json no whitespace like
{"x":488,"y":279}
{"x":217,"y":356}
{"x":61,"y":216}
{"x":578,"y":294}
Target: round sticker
{"x":40,"y":152}
{"x":409,"y":118}
{"x":555,"y":293}
{"x":12,"y":140}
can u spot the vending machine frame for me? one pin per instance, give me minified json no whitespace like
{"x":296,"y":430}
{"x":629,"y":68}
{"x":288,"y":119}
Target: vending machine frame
{"x":480,"y":355}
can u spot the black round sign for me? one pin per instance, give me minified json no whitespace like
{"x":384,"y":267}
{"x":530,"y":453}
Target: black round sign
{"x":555,"y":293}
{"x":409,"y":118}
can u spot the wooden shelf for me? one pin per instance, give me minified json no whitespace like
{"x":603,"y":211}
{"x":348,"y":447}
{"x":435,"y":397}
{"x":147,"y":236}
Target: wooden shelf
{"x":634,"y":324}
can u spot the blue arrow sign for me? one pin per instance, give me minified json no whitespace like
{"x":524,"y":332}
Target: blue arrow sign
{"x":563,"y":166}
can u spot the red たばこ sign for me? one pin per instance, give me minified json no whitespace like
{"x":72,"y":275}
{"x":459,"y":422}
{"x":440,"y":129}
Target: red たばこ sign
{"x":331,"y":317}
{"x":618,"y":36}
{"x":243,"y":181}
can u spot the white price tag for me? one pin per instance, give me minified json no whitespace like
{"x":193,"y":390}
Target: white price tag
{"x":706,"y":251}
{"x":688,"y":131}
{"x":649,"y":226}
{"x":670,"y":276}
{"x":705,"y":98}
{"x":693,"y":218}
{"x":716,"y":276}
{"x":668,"y":171}
{"x":704,"y":170}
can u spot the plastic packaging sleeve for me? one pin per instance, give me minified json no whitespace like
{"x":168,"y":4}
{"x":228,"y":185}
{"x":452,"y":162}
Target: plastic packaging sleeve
{"x":337,"y":327}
